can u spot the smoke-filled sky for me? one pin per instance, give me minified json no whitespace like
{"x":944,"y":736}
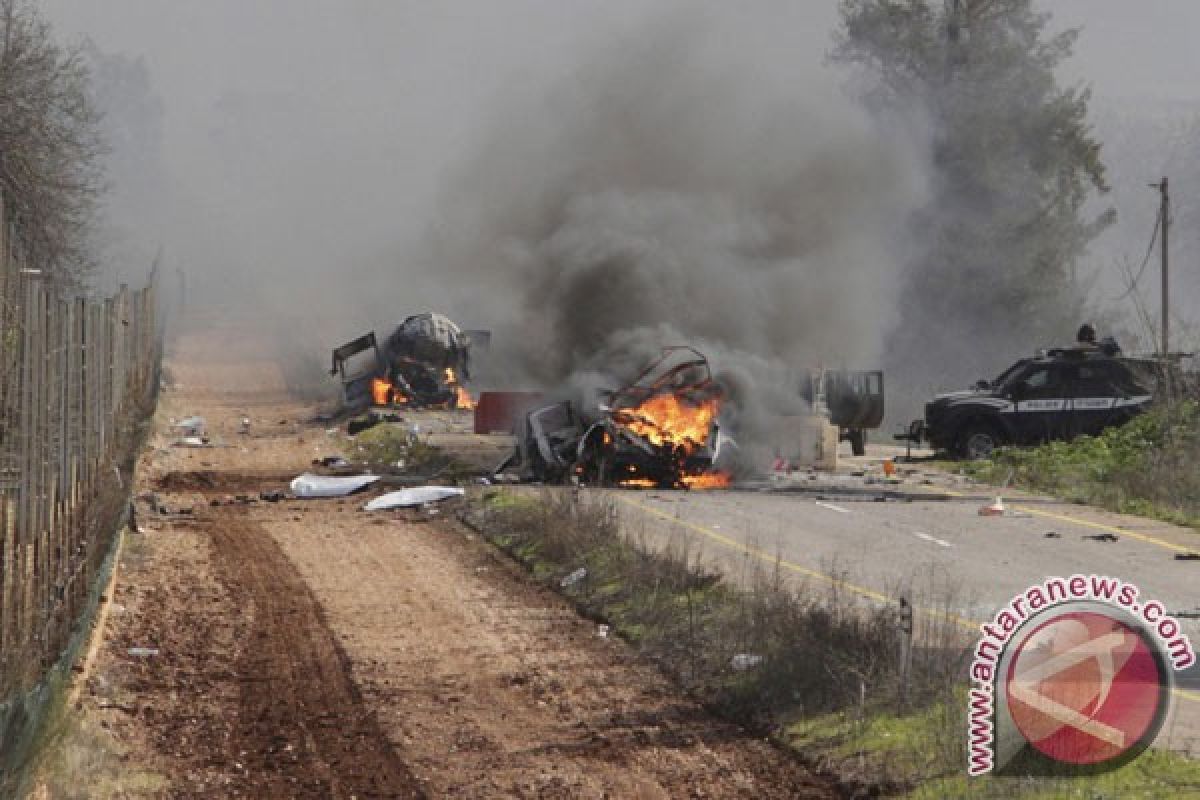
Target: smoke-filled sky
{"x":347,"y":163}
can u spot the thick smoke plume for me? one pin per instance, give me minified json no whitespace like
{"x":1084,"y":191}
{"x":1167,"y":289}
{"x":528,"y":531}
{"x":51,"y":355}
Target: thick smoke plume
{"x":677,"y":191}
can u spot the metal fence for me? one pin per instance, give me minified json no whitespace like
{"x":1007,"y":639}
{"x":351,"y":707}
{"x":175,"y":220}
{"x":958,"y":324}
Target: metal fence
{"x":77,"y":378}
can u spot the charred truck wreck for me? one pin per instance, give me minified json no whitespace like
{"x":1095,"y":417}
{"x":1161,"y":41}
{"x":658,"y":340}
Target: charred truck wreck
{"x":661,"y":430}
{"x":422,"y":365}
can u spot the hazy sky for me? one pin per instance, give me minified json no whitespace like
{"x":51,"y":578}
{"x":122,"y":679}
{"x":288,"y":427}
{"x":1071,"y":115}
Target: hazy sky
{"x":317,"y":134}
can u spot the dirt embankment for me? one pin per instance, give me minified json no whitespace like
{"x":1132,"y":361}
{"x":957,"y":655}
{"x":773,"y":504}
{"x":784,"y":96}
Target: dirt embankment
{"x":306,"y":649}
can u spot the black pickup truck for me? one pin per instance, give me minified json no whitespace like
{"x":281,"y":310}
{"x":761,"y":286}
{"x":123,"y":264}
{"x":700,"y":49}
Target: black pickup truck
{"x":1058,"y":394}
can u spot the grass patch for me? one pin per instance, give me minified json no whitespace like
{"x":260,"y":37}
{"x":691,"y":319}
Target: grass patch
{"x":1147,"y":467}
{"x":826,"y":677}
{"x":762,"y":652}
{"x":392,"y":448}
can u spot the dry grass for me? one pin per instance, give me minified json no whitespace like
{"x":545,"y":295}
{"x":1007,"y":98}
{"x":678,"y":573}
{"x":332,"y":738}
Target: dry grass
{"x":816,"y":651}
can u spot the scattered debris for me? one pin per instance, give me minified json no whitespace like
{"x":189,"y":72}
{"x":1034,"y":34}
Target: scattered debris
{"x":418,"y":496}
{"x":192,"y":441}
{"x":574,"y":578}
{"x":309,"y":485}
{"x":1102,"y":537}
{"x":1187,"y":556}
{"x":745,"y":661}
{"x":191,"y":426}
{"x":333,"y":462}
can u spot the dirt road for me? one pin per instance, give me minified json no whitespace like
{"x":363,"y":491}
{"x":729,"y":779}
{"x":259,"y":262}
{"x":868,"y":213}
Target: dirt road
{"x":308,"y":649}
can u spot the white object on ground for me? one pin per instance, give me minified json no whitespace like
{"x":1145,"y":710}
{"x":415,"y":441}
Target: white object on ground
{"x":417,"y":496}
{"x":191,"y":441}
{"x":994,"y":509}
{"x":744,"y":661}
{"x":574,"y":578}
{"x":309,"y":485}
{"x":191,"y":426}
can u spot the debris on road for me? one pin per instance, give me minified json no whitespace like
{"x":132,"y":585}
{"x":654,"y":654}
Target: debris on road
{"x":1051,"y":535}
{"x":1101,"y":537}
{"x":418,"y":496}
{"x":191,"y":426}
{"x":310,"y":486}
{"x":333,"y":462}
{"x":192,"y":441}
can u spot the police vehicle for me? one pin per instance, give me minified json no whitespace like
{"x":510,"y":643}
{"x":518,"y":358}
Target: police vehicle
{"x":1058,"y":394}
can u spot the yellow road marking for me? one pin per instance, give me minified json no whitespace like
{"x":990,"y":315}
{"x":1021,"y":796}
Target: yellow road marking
{"x":791,"y":566}
{"x":1100,"y":526}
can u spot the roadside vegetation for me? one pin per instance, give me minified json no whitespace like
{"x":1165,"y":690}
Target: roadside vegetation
{"x":813,"y":666}
{"x":1148,"y":467}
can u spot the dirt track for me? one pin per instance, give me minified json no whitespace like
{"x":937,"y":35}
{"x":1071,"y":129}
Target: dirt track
{"x":306,"y":649}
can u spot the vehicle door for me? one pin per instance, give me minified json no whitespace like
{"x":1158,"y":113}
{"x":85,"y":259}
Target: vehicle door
{"x":1093,"y":396}
{"x":1039,"y":400}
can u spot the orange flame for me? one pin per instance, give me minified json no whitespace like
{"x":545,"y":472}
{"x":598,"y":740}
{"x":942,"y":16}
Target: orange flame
{"x":463,"y":397}
{"x":709,"y":480}
{"x":381,"y":391}
{"x":669,"y":419}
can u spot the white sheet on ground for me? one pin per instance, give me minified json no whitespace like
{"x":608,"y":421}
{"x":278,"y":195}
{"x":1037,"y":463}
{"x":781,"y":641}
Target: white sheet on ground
{"x":309,"y":485}
{"x":413,"y":497}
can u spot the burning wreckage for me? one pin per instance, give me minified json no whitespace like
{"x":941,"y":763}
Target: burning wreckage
{"x":422,"y":364}
{"x":661,"y":431}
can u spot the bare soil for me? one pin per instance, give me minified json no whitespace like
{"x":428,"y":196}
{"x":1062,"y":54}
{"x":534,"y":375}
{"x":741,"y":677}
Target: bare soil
{"x":307,"y":649}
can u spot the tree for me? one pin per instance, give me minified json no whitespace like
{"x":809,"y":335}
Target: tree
{"x":1013,"y":162}
{"x":50,"y":145}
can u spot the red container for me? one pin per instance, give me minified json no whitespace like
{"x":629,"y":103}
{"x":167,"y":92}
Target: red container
{"x":498,"y":412}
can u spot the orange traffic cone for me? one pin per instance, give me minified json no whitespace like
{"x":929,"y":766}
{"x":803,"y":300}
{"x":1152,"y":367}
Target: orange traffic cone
{"x":993,"y":509}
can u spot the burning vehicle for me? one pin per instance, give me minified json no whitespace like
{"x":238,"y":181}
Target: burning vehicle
{"x":661,"y":430}
{"x":422,"y":364}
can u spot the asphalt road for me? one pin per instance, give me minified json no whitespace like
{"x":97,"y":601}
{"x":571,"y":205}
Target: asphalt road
{"x":832,"y":532}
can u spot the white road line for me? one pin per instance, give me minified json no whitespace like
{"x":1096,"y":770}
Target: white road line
{"x":832,"y":507}
{"x":934,"y":539}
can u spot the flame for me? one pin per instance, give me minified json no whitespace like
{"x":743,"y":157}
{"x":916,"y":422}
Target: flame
{"x":667,"y":419}
{"x":463,"y":397}
{"x":381,"y":391}
{"x":709,"y":480}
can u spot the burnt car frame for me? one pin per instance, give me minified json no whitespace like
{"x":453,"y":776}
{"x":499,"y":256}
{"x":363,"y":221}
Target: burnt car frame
{"x":614,"y":442}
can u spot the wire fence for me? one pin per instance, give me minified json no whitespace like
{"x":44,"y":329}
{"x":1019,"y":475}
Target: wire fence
{"x":77,"y":380}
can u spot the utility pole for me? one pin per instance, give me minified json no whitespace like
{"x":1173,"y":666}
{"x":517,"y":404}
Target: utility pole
{"x":1166,"y":305}
{"x":1164,"y":213}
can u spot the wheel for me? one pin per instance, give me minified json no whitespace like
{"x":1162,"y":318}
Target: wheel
{"x":979,"y":440}
{"x":858,"y":442}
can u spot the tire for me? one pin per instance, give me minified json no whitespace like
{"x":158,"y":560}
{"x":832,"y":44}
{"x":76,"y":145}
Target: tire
{"x":979,"y":440}
{"x":858,"y":442}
